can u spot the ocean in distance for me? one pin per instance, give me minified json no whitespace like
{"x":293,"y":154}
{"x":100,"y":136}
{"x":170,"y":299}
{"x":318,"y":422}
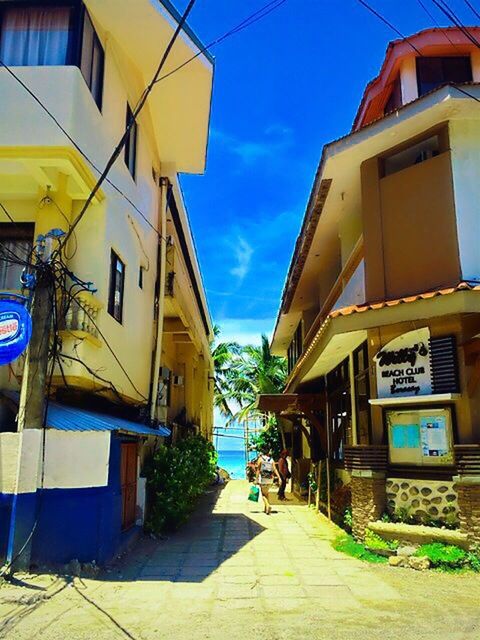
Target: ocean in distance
{"x":233,"y":462}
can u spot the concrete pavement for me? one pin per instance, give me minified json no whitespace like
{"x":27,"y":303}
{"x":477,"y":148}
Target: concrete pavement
{"x":234,"y":572}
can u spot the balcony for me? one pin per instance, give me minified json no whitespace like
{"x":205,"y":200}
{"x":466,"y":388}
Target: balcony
{"x":34,"y":152}
{"x":81,"y":319}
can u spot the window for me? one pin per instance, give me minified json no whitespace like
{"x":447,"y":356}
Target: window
{"x":36,"y":36}
{"x":362,"y":394}
{"x":16,"y":241}
{"x":340,"y":409}
{"x":434,"y":71}
{"x":131,"y":144}
{"x":141,"y":273}
{"x":53,"y":35}
{"x":414,"y":154}
{"x":117,"y":285}
{"x":395,"y":99}
{"x":92,"y":60}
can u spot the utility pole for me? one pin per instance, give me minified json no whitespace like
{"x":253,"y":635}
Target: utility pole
{"x":29,"y":479}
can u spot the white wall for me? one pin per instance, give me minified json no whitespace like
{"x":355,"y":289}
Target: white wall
{"x":465,"y":145}
{"x":73,"y":460}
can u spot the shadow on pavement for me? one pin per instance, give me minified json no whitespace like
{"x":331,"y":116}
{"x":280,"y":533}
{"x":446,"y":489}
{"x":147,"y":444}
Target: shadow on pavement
{"x":191,"y":554}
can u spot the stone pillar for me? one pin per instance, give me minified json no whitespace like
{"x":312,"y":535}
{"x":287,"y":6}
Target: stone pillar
{"x":367,"y":465}
{"x":468,"y":492}
{"x":467,"y":486}
{"x":369,"y":499}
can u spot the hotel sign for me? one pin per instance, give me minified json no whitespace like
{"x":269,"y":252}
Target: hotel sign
{"x":403,"y":366}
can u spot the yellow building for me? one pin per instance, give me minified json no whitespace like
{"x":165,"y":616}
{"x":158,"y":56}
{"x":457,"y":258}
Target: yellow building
{"x":380,"y":314}
{"x":138,"y":343}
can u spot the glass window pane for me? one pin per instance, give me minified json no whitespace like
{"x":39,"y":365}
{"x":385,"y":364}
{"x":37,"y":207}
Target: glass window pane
{"x":35,"y":36}
{"x":87,"y":50}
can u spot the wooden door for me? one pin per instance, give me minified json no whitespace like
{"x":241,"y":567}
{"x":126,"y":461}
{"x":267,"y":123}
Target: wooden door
{"x":129,"y":483}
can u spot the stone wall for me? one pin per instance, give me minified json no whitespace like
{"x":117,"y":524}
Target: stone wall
{"x":368,"y":502}
{"x":423,"y":499}
{"x":469,"y":503}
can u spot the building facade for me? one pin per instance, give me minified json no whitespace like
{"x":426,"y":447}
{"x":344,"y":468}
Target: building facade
{"x":134,"y":363}
{"x":380,"y":315}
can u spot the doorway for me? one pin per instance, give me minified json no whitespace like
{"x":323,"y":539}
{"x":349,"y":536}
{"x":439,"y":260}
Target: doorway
{"x":128,"y":481}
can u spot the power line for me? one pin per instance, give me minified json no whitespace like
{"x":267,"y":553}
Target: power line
{"x":470,"y":5}
{"x":132,"y":120}
{"x":69,"y":137}
{"x":405,"y":39}
{"x":244,"y":24}
{"x":247,"y":22}
{"x":436,"y":23}
{"x":453,"y":17}
{"x":388,"y":23}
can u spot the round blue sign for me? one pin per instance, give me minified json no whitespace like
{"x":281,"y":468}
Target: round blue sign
{"x":15,"y":330}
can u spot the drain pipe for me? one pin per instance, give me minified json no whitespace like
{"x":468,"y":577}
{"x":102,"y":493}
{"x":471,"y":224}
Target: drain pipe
{"x":161,"y":275}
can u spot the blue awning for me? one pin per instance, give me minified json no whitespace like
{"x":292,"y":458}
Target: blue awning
{"x":66,"y":418}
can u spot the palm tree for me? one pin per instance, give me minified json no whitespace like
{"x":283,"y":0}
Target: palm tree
{"x":223,"y":354}
{"x":254,"y":371}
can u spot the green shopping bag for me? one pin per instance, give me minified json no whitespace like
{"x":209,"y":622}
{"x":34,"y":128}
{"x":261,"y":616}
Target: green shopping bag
{"x":254,"y":493}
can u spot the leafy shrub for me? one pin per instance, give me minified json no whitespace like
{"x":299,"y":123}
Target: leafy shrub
{"x":444,"y":556}
{"x":403,"y":514}
{"x":176,"y":477}
{"x":473,"y":560}
{"x":374,"y":541}
{"x":346,"y":544}
{"x":348,"y":519}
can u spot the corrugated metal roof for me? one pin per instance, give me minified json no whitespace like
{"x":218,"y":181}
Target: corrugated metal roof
{"x":65,"y":418}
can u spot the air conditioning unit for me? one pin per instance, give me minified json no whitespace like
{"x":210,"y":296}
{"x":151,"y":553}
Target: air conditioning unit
{"x":177,"y":381}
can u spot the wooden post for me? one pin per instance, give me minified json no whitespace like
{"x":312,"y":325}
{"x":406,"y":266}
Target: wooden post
{"x":319,"y":484}
{"x":31,"y":416}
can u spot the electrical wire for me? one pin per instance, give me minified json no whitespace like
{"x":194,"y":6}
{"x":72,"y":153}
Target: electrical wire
{"x":453,"y":17}
{"x":247,"y":22}
{"x":132,"y":120}
{"x":472,"y":8}
{"x":436,"y":23}
{"x":244,"y":24}
{"x":388,"y":23}
{"x":405,"y":39}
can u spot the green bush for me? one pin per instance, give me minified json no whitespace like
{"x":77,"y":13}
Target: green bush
{"x":443,"y":556}
{"x":346,"y":544}
{"x":348,"y":519}
{"x":176,"y":477}
{"x":374,"y":541}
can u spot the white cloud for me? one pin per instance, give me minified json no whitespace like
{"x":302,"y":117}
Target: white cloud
{"x":243,"y":254}
{"x":245,"y":330}
{"x":278,"y":139}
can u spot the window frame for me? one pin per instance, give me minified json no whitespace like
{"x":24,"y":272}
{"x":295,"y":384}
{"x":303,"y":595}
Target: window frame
{"x":76,"y":32}
{"x":96,"y":43}
{"x":339,"y":394}
{"x":112,"y":287}
{"x":17,"y":232}
{"x":419,"y":62}
{"x":362,"y":375}
{"x":131,"y":159}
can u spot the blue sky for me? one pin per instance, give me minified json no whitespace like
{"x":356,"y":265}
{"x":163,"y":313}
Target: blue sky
{"x":283,"y":88}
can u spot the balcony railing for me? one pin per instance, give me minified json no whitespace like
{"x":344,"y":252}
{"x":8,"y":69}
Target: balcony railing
{"x":339,"y":294}
{"x":81,"y":318}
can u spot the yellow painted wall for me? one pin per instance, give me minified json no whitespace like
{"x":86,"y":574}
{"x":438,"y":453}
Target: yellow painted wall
{"x":26,"y":134}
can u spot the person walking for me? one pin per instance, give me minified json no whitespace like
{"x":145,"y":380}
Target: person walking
{"x":266,"y":470}
{"x":284,"y":472}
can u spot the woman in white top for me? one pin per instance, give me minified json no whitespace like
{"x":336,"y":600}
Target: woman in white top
{"x":266,"y":469}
